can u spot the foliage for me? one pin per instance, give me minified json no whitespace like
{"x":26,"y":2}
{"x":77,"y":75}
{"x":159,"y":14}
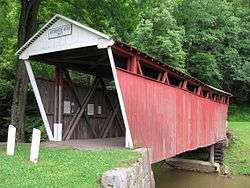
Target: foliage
{"x":237,"y":156}
{"x":60,"y":167}
{"x":158,"y":34}
{"x":239,"y":113}
{"x":34,"y":122}
{"x":217,"y":39}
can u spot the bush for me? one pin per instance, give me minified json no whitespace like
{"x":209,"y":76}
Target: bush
{"x":34,"y":122}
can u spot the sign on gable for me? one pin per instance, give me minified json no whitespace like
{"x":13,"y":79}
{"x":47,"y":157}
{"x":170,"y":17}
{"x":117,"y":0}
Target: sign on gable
{"x":60,"y":31}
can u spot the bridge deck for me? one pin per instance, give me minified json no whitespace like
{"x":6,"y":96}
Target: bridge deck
{"x":90,"y":144}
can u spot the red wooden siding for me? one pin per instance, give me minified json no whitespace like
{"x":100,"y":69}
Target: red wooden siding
{"x":168,"y":119}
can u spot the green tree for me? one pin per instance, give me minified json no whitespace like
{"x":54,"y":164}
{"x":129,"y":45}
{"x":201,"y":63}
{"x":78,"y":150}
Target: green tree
{"x":157,"y":33}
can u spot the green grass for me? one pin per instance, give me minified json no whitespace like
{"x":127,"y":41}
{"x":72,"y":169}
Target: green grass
{"x":60,"y":167}
{"x":237,"y":156}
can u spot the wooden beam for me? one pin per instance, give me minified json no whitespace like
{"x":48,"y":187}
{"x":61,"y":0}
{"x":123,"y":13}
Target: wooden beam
{"x":81,"y":110}
{"x":38,"y":99}
{"x":159,"y":76}
{"x":134,"y":65}
{"x":184,"y":85}
{"x":128,"y":137}
{"x":109,"y":121}
{"x":165,"y":78}
{"x":139,"y":68}
{"x":74,"y":91}
{"x":60,"y":95}
{"x":121,"y":125}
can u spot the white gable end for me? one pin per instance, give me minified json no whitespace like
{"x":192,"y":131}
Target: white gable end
{"x":64,"y":35}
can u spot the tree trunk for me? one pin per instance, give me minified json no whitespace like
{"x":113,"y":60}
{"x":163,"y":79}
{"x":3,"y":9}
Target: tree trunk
{"x":27,"y":27}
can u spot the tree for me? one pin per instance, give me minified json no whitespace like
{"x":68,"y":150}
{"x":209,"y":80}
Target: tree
{"x":217,"y":37}
{"x":27,"y":27}
{"x":158,"y":34}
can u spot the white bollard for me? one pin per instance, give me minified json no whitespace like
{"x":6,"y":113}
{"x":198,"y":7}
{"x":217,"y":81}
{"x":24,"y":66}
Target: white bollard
{"x":57,"y":131}
{"x":11,"y":140}
{"x":35,"y":145}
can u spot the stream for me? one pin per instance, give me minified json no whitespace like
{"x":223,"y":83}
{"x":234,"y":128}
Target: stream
{"x":173,"y":178}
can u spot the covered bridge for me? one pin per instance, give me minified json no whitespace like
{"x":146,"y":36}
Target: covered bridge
{"x":153,"y":105}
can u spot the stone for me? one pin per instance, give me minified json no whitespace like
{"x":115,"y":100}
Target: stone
{"x":137,"y":175}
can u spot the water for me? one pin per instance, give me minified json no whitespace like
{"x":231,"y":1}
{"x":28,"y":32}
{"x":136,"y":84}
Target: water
{"x":172,"y":178}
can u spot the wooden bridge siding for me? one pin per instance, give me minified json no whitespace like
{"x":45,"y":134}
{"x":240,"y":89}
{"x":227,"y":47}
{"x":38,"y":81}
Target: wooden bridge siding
{"x":82,"y":131}
{"x":168,"y":119}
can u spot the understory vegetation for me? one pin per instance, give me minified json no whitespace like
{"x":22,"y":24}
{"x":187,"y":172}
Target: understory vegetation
{"x":60,"y":167}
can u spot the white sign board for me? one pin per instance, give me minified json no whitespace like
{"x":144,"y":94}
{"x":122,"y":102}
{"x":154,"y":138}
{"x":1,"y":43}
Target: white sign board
{"x":67,"y":107}
{"x":60,"y":31}
{"x":90,"y":109}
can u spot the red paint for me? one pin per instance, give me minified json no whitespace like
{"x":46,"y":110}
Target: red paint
{"x":170,"y":120}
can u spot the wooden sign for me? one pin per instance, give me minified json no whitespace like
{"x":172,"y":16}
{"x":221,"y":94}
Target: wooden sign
{"x":60,"y":31}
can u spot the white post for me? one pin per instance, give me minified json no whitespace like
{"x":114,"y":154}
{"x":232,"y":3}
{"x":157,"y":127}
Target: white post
{"x":35,"y":145}
{"x":11,"y":140}
{"x":57,"y":131}
{"x":129,"y":142}
{"x":38,"y":99}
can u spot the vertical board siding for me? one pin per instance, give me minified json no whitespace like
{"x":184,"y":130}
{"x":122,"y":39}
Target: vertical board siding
{"x":168,"y":119}
{"x":82,"y":130}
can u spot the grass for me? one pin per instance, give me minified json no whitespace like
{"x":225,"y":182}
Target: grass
{"x":237,"y":156}
{"x":60,"y":167}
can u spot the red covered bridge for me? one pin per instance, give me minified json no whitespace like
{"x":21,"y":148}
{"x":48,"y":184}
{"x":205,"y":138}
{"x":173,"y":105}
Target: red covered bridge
{"x":154,"y":105}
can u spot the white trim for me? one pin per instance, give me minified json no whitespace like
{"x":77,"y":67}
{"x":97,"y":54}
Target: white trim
{"x":38,"y":99}
{"x":129,"y":141}
{"x":48,"y":24}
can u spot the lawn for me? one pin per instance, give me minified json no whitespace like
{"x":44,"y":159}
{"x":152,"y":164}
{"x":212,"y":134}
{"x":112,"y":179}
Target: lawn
{"x":60,"y":167}
{"x":237,"y":156}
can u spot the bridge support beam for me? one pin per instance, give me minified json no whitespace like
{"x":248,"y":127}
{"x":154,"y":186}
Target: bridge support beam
{"x":211,"y":154}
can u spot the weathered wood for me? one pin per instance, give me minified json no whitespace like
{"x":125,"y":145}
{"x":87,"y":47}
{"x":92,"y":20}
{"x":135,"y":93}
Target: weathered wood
{"x":77,"y":98}
{"x":60,"y":95}
{"x":109,"y":121}
{"x":165,"y":78}
{"x":95,"y":83}
{"x":89,"y":125}
{"x":121,"y":125}
{"x":139,"y":68}
{"x":81,"y":110}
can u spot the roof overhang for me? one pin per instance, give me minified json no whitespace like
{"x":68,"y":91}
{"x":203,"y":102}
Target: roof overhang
{"x":61,"y":33}
{"x":62,"y":36}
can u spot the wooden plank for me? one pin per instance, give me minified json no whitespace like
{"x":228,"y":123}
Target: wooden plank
{"x":79,"y":108}
{"x":80,"y":113}
{"x":38,"y":99}
{"x":111,"y":121}
{"x":60,"y":95}
{"x":165,"y":78}
{"x":72,"y":87}
{"x":89,"y":125}
{"x":121,"y":125}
